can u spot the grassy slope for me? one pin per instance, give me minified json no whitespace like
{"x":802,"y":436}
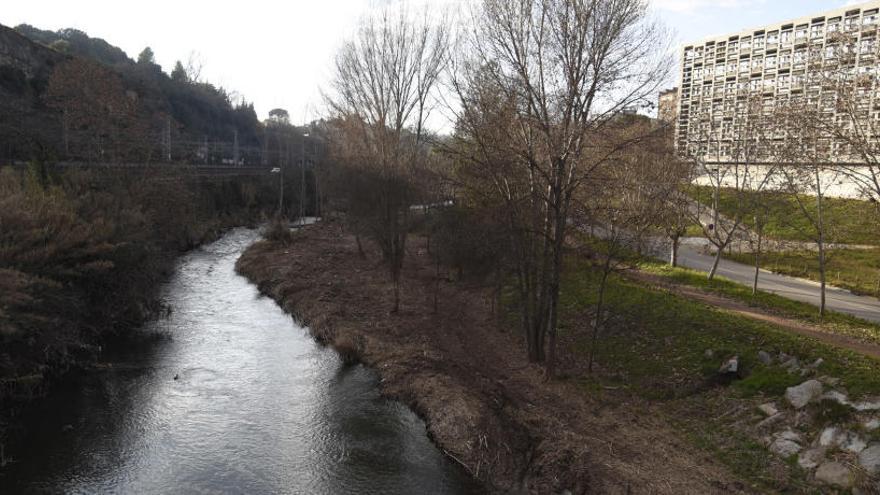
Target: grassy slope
{"x":854,"y":269}
{"x":854,"y":221}
{"x":655,"y":348}
{"x":832,"y":322}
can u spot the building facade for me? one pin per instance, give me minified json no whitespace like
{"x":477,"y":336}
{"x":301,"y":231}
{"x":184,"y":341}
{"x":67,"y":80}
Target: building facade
{"x":726,"y":81}
{"x":667,"y":106}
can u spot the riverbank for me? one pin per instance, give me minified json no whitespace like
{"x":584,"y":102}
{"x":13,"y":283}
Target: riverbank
{"x":484,"y":405}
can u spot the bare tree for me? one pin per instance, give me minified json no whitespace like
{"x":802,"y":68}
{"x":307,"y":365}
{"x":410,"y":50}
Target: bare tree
{"x":384,"y":78}
{"x":808,"y":171}
{"x":537,"y":83}
{"x":733,"y":158}
{"x":624,"y":204}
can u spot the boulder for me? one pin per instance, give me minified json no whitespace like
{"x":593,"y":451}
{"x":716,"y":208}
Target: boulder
{"x":809,"y":459}
{"x":869,"y":459}
{"x":709,"y":354}
{"x":871,"y":424}
{"x":801,"y":395}
{"x":834,"y":474}
{"x":769,"y":409}
{"x":765,"y":358}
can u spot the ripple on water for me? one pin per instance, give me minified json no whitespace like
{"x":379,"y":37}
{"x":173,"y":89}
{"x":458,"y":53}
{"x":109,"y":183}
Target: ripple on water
{"x":257,"y":407}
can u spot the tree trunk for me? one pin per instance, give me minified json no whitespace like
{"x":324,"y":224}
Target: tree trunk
{"x":357,"y":238}
{"x":597,"y":324}
{"x":820,"y":224}
{"x":822,"y":282}
{"x":758,"y":260}
{"x":715,"y":263}
{"x":673,"y":255}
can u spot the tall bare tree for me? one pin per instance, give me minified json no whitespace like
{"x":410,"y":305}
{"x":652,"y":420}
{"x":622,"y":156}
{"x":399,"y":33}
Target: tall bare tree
{"x":537,"y":83}
{"x":383,"y":84}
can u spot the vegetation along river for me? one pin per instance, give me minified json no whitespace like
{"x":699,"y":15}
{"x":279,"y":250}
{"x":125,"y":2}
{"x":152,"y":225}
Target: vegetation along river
{"x":240,"y":399}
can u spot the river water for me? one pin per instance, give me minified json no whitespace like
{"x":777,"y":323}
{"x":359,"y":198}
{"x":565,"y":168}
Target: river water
{"x":240,"y":399}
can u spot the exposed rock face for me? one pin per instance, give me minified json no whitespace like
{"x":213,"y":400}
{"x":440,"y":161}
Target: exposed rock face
{"x":804,"y":393}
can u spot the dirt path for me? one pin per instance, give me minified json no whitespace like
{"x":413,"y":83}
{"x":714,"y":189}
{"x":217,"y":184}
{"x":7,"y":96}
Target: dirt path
{"x":743,"y":309}
{"x":483,"y":403}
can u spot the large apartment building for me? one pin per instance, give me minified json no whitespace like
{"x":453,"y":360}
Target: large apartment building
{"x":724,"y":78}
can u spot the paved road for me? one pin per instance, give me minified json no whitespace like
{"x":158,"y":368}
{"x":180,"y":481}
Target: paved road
{"x":868,"y":308}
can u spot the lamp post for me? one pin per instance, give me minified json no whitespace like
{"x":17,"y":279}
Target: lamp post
{"x":302,"y":182}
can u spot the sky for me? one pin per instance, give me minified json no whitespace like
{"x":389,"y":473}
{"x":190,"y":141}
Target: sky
{"x":278,"y":53}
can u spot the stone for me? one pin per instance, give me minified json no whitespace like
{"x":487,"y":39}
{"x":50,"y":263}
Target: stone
{"x":835,"y":474}
{"x":869,"y":459}
{"x":836,"y":396}
{"x":709,"y":353}
{"x":830,"y":437}
{"x":791,"y":363}
{"x":731,"y":366}
{"x":784,"y":448}
{"x":809,"y":459}
{"x":853,"y":443}
{"x":770,"y":421}
{"x":765,"y":358}
{"x":871,"y":424}
{"x":867,"y":406}
{"x":769,"y":409}
{"x":804,"y":393}
{"x":817,"y":363}
{"x":789,"y":435}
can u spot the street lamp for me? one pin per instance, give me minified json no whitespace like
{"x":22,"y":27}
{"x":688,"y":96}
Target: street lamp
{"x":302,"y":167}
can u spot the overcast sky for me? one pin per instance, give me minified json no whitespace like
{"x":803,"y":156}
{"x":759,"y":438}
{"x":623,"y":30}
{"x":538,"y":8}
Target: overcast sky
{"x":278,"y":54}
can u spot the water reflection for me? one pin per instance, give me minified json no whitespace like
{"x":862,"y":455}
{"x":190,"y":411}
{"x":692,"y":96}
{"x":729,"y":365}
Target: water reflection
{"x":240,"y":401}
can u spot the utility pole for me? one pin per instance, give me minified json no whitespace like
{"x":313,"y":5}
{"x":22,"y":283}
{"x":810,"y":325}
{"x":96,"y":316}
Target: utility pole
{"x":235,"y":149}
{"x":302,"y":166}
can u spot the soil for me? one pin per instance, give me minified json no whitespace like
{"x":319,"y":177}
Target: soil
{"x":467,"y":376}
{"x":743,"y":309}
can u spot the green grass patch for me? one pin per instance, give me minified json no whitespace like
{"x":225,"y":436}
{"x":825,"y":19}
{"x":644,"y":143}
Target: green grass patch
{"x":767,"y":380}
{"x":832,"y":412}
{"x":656,"y":341}
{"x":832,"y":321}
{"x":655,"y":347}
{"x":857,"y":270}
{"x":851,"y":221}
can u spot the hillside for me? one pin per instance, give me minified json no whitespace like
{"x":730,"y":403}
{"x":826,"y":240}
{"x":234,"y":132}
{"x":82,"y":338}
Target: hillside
{"x":31,"y":121}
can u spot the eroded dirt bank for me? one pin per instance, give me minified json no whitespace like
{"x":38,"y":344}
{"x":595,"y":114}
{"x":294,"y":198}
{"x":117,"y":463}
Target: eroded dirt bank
{"x":483,"y":403}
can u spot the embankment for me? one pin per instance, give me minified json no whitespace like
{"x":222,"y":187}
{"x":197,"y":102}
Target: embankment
{"x":484,"y":405}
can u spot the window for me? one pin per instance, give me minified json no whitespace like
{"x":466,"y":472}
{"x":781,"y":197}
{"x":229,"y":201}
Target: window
{"x":770,"y":62}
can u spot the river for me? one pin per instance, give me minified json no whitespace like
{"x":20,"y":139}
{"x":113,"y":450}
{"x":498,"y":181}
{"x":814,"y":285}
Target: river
{"x":239,"y":399}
